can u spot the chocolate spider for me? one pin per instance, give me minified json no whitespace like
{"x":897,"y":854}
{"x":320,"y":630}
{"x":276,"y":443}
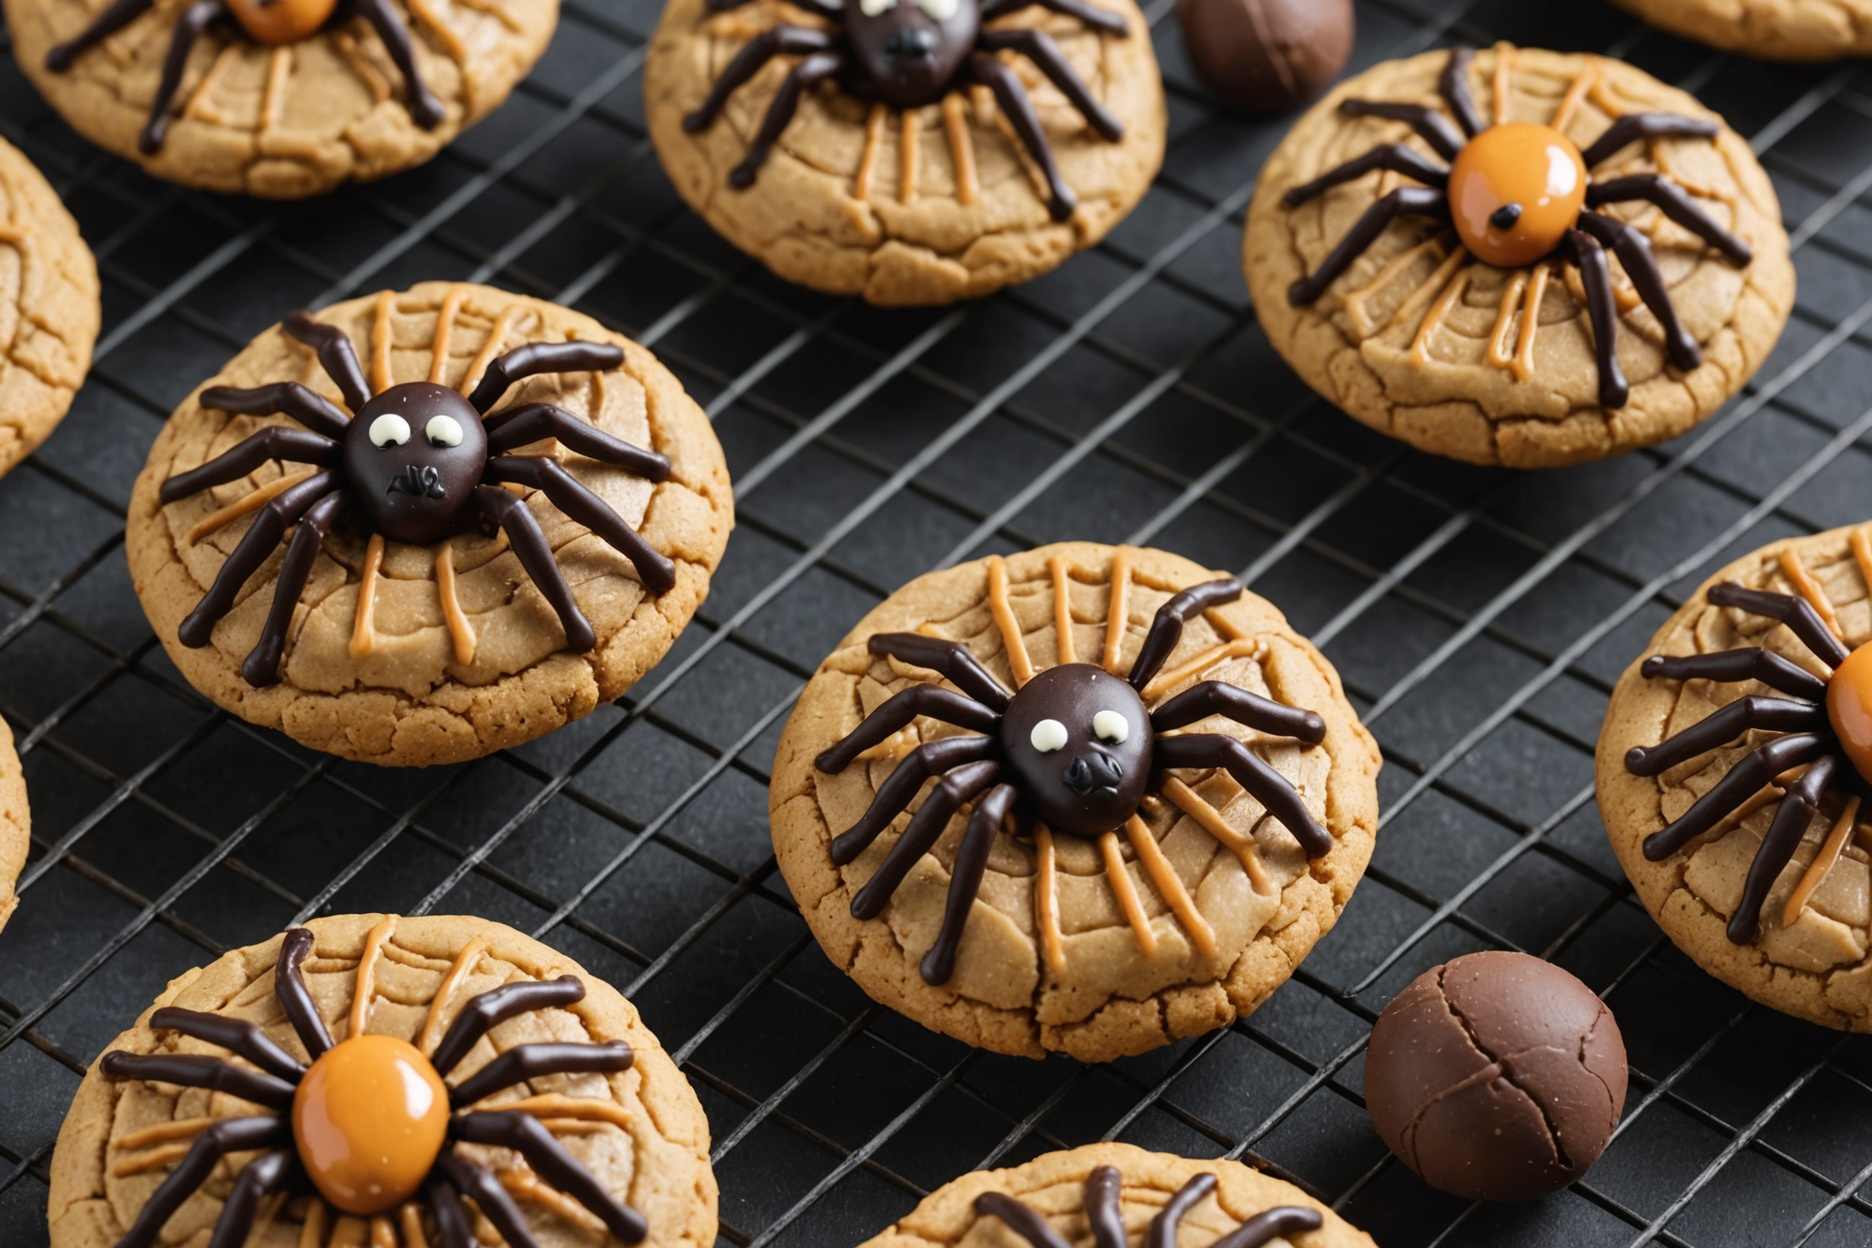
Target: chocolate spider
{"x":1823,"y":725}
{"x":272,"y":23}
{"x":908,"y":54}
{"x":1517,"y":194}
{"x":1076,"y":749}
{"x":1106,"y":1222}
{"x":372,"y":1123}
{"x":418,"y":464}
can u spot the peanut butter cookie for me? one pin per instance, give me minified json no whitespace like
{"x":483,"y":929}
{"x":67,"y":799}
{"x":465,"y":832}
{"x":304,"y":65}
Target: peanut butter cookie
{"x":1518,"y":257}
{"x":1790,"y":30}
{"x":15,"y":823}
{"x":1159,"y":800}
{"x":353,"y":1080}
{"x":502,"y":518}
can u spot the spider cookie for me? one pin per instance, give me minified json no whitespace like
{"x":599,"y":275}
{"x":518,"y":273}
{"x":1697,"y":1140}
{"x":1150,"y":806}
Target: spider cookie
{"x":1733,"y":768}
{"x":1114,"y":1196}
{"x":1150,"y":799}
{"x":359,"y":1079}
{"x":279,"y":98}
{"x":1790,"y":30}
{"x":1518,"y":257}
{"x":15,"y":823}
{"x":910,"y":151}
{"x":421,"y":527}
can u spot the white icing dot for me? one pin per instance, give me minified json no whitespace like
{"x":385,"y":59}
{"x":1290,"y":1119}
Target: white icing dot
{"x":1048,"y":735}
{"x":941,"y":10}
{"x":1111,"y":726}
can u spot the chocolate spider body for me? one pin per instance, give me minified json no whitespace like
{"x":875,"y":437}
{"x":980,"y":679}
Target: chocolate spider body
{"x":912,"y":53}
{"x":1075,"y":749}
{"x":371,"y":1123}
{"x":271,"y":23}
{"x":1822,"y":725}
{"x":418,"y":464}
{"x":1519,"y":194}
{"x":1105,"y":1219}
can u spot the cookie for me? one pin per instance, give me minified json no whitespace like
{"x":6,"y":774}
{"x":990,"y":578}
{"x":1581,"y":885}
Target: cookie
{"x":910,"y":151}
{"x":1782,"y":30}
{"x":1129,"y":1195}
{"x":364,"y":1073}
{"x":49,"y":309}
{"x":1730,"y":770}
{"x":278,"y":98}
{"x":1518,"y":257}
{"x":439,"y":596}
{"x":1084,"y":877}
{"x":15,"y":823}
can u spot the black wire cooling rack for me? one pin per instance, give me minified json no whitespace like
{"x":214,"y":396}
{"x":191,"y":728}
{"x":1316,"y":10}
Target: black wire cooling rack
{"x":1478,"y":617}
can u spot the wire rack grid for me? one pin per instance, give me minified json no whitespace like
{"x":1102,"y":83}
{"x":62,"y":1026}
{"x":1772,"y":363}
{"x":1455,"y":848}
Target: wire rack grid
{"x":1478,"y":618}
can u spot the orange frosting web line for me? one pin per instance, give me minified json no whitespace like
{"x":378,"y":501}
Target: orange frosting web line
{"x":461,"y":631}
{"x":867,"y":159}
{"x":1210,"y":820}
{"x":1237,"y":648}
{"x":279,"y":69}
{"x":162,"y":1133}
{"x":409,"y":1218}
{"x":524,"y":1186}
{"x":908,"y":137}
{"x":1046,"y":899}
{"x":1808,"y":588}
{"x":350,"y":1232}
{"x":1862,"y":553}
{"x":1389,"y":272}
{"x":367,"y":974}
{"x":380,"y":342}
{"x":363,"y":626}
{"x":382,"y":1233}
{"x":431,"y":1033}
{"x":1570,"y":102}
{"x":355,"y":61}
{"x":445,"y":331}
{"x":217,"y":520}
{"x":1170,"y":886}
{"x":1118,"y":608}
{"x":1431,"y":289}
{"x":894,"y":746}
{"x":1530,"y":322}
{"x":496,"y":337}
{"x":1504,"y":66}
{"x":1498,"y":353}
{"x":450,"y":40}
{"x":1433,"y":319}
{"x":1009,"y":627}
{"x":198,"y":99}
{"x":558,"y":1105}
{"x":1822,"y":863}
{"x":1062,"y":607}
{"x":961,"y":148}
{"x":312,"y":1232}
{"x":1125,"y":894}
{"x":152,"y":1159}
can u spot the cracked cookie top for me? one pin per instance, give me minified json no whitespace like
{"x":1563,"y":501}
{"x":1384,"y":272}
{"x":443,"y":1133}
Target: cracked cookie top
{"x":922,"y":206}
{"x":289,"y":121}
{"x":1426,"y":343}
{"x":15,"y":822}
{"x":1188,"y":916}
{"x":410,"y":655}
{"x":1794,"y":30}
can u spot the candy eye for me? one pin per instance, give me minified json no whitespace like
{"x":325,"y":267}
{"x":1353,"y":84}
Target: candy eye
{"x":1048,"y":735}
{"x":874,"y":8}
{"x":1111,"y":726}
{"x":389,"y":429}
{"x":443,"y":431}
{"x":941,"y":10}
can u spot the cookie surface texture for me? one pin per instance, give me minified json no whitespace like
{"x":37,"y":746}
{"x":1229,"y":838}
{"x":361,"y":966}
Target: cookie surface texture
{"x":1792,"y":30}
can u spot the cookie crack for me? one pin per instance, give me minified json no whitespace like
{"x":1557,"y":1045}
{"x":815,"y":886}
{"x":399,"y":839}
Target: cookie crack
{"x":1500,"y":1066}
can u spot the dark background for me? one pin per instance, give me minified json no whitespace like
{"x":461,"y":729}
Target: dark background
{"x":1478,"y":618}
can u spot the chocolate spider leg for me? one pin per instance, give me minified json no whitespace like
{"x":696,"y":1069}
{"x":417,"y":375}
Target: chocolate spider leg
{"x":293,"y":446}
{"x":1634,"y":252}
{"x":1797,"y":613}
{"x":451,"y":1219}
{"x":523,"y":426}
{"x":424,"y":108}
{"x":898,"y":712}
{"x":479,"y":1184}
{"x":1263,"y":783}
{"x":1167,"y":625}
{"x":536,"y":1061}
{"x":1020,"y":1218}
{"x":1673,"y":202}
{"x":113,"y":19}
{"x":262,"y":538}
{"x":1596,"y":277}
{"x":949,"y":659}
{"x":575,"y":498}
{"x":1015,"y":105}
{"x":1038,"y":47}
{"x":310,"y":408}
{"x":1093,"y":16}
{"x":188,"y":29}
{"x":964,"y":784}
{"x":1405,"y":201}
{"x":245,"y":1039}
{"x":506,"y":512}
{"x":260,"y":1177}
{"x":261,"y":668}
{"x":1784,"y":837}
{"x":1262,"y":1229}
{"x":289,"y":989}
{"x":496,"y":1006}
{"x":1393,"y":156}
{"x":1743,"y":781}
{"x":1453,"y":86}
{"x":549,"y":1159}
{"x":1733,"y":666}
{"x":932,"y":758}
{"x":190,"y":1070}
{"x":1215,"y":697}
{"x":1104,"y":1216}
{"x":230,"y":1135}
{"x":1634,"y":126}
{"x":537,"y":359}
{"x":1433,"y":126}
{"x":1722,"y":726}
{"x":965,"y":879}
{"x":805,"y":75}
{"x":336,"y":355}
{"x":831,"y":10}
{"x":1164,"y":1227}
{"x":750,"y":60}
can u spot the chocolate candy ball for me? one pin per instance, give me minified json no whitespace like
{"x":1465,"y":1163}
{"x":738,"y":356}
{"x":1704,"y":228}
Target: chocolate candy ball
{"x":1496,"y":1076}
{"x":1267,"y":56}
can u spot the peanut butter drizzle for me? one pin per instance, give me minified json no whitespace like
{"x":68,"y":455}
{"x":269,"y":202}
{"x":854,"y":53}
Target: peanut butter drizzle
{"x":366,"y":986}
{"x":1429,"y":291}
{"x":523,"y":1185}
{"x":383,"y":1232}
{"x":1125,"y":894}
{"x":197,"y":107}
{"x":1498,"y":353}
{"x":1046,"y":900}
{"x":1170,"y":886}
{"x":867,"y":159}
{"x":961,"y":148}
{"x":452,"y":42}
{"x":1009,"y":627}
{"x":350,"y":1232}
{"x":163,"y":1133}
{"x":1062,"y":606}
{"x":497,"y":337}
{"x":495,"y":9}
{"x":1210,"y":820}
{"x":363,"y":624}
{"x":1570,"y":102}
{"x":1234,"y":648}
{"x":1822,"y":863}
{"x":1504,"y":66}
{"x":279,"y":70}
{"x":1434,"y":318}
{"x":553,"y":1105}
{"x":908,"y":136}
{"x":1862,"y":553}
{"x":219,"y":519}
{"x":445,"y":332}
{"x":1117,"y":609}
{"x":461,"y":631}
{"x":312,"y":1232}
{"x":1386,"y":275}
{"x":460,"y":969}
{"x":153,"y":1159}
{"x":409,"y":1218}
{"x":892,"y":747}
{"x":1530,"y":322}
{"x":355,"y":61}
{"x":380,"y":342}
{"x":1808,"y":588}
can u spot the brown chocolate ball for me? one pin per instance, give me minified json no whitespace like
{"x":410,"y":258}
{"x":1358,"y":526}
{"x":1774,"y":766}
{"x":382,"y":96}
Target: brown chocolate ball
{"x":1267,"y":56}
{"x":1496,"y":1076}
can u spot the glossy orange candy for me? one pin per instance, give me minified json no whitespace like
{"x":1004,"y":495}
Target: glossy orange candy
{"x":1514,"y":192}
{"x":370,"y":1118}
